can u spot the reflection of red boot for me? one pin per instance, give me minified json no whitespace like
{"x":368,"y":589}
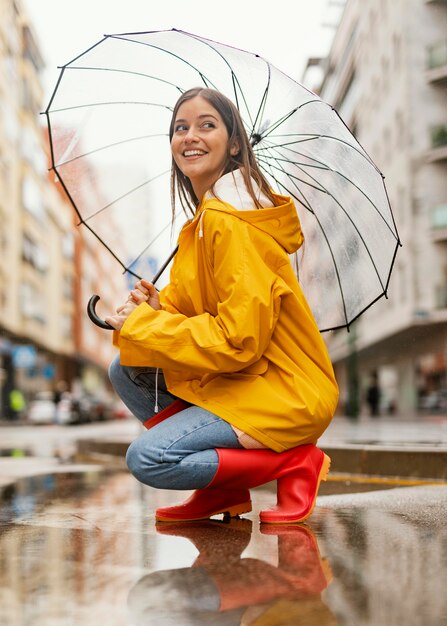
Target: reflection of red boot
{"x":301,"y":573}
{"x":299,"y":472}
{"x":299,"y":558}
{"x":248,"y":582}
{"x":216,"y":541}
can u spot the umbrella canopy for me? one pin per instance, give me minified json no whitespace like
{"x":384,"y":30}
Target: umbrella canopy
{"x":108,"y":121}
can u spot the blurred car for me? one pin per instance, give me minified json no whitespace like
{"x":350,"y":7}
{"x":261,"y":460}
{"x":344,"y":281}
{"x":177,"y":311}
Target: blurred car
{"x":120,"y":411}
{"x":434,"y":401}
{"x":42,"y":410}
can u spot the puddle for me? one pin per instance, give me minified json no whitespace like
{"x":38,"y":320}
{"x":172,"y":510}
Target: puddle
{"x":86,"y":550}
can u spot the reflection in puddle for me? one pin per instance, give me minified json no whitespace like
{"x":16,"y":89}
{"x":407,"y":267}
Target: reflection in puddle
{"x":225,"y":587}
{"x":81,"y":551}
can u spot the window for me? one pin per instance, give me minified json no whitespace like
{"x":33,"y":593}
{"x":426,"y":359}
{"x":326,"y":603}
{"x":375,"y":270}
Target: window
{"x":32,"y":198}
{"x":32,"y":305}
{"x":68,"y":245}
{"x":34,"y":254}
{"x":66,"y":326}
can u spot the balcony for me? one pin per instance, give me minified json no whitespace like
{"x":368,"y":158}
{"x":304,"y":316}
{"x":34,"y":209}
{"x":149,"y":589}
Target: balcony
{"x":439,"y":223}
{"x":438,"y":144}
{"x":437,"y":62}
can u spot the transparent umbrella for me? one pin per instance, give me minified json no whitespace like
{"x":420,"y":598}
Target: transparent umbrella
{"x":108,"y":121}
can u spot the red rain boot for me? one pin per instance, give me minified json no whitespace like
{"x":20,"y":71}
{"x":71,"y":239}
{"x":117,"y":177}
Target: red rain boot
{"x":297,"y":492}
{"x":203,"y":503}
{"x":298,"y":471}
{"x":304,"y":467}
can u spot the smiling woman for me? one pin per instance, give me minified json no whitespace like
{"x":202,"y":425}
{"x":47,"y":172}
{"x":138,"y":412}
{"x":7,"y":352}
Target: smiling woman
{"x":246,"y":385}
{"x":207,"y":141}
{"x":199,"y":144}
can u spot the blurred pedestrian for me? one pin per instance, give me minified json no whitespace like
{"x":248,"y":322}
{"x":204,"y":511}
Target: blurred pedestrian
{"x":373,"y":395}
{"x":60,"y":394}
{"x":17,"y":403}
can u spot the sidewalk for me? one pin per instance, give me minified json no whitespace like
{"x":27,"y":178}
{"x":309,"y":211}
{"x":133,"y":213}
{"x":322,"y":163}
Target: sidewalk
{"x":388,"y":446}
{"x":381,"y":447}
{"x":421,"y":433}
{"x":384,"y":446}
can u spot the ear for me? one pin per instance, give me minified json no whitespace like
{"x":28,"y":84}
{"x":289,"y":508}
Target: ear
{"x":235,"y":149}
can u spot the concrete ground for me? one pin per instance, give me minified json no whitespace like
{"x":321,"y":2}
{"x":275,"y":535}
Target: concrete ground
{"x":80,"y":545}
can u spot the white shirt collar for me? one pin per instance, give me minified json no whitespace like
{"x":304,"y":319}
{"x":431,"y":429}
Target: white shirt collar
{"x":231,"y":189}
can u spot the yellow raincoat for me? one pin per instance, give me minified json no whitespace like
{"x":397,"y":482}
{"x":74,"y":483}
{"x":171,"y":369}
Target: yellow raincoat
{"x":235,"y":334}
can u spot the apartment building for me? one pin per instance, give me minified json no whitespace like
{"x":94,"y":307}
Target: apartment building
{"x":45,"y":335}
{"x":386,"y":74}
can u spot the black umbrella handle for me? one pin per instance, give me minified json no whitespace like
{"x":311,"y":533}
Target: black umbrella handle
{"x":91,"y":306}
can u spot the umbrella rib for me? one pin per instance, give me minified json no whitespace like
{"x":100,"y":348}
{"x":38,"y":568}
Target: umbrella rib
{"x":352,"y":222}
{"x":235,"y":79}
{"x":159,"y":234}
{"x":285,"y":117}
{"x":205,"y":79}
{"x":128,"y":193}
{"x":293,"y":176}
{"x":84,"y":223}
{"x":97,"y":104}
{"x":332,"y":256}
{"x":110,"y":145}
{"x":322,"y":136}
{"x":113,"y":69}
{"x":325,"y":166}
{"x":290,"y":191}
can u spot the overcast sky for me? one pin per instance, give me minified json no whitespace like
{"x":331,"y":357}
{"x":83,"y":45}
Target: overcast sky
{"x":286,"y":33}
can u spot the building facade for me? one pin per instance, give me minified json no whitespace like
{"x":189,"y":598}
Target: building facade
{"x":386,"y":74}
{"x":45,"y":264}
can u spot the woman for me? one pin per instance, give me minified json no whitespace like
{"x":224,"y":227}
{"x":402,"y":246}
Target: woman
{"x":248,"y":386}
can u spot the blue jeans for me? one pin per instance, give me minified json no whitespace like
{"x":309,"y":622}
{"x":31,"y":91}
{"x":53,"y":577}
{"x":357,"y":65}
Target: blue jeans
{"x":179,"y":452}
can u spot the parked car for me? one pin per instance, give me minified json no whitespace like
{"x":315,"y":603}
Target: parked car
{"x":42,"y":409}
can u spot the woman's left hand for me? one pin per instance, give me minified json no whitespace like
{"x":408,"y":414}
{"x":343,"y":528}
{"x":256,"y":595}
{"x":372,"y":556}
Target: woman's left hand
{"x":136,"y":297}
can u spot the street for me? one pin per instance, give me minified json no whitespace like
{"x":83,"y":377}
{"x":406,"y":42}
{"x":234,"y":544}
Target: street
{"x":85,"y":535}
{"x":92,"y":552}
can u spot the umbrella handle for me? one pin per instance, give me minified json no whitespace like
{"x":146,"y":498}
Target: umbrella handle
{"x":91,"y":306}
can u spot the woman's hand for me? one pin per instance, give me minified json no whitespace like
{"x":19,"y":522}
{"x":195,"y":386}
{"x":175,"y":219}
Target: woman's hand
{"x":148,"y":289}
{"x":144,"y":292}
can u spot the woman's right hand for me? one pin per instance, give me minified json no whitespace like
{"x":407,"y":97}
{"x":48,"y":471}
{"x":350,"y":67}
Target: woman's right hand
{"x":148,"y":289}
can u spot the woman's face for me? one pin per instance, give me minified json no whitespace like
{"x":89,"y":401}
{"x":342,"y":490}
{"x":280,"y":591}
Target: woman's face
{"x":199,"y":143}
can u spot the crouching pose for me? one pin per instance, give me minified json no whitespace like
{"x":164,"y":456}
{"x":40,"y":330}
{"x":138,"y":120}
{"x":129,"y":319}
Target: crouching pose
{"x":229,"y":350}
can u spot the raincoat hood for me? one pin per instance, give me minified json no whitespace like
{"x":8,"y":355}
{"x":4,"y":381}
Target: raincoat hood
{"x":280,"y":222}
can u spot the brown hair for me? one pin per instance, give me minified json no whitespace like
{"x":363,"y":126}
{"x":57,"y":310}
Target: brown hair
{"x":244,"y":160}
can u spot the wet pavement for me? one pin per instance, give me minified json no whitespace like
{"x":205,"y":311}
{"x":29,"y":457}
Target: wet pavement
{"x":83,"y":548}
{"x":79,"y":543}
